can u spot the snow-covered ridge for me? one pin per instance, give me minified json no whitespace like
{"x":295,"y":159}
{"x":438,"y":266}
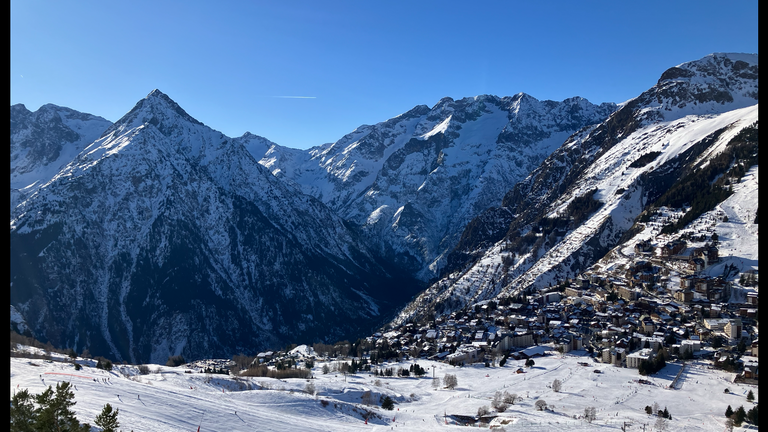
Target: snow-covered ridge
{"x":44,"y":141}
{"x":413,"y":182}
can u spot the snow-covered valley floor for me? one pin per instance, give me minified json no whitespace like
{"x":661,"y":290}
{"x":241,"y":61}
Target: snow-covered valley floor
{"x":170,"y":399}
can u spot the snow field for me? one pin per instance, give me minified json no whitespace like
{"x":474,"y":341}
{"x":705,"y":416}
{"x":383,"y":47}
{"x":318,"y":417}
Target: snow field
{"x":169,"y":399}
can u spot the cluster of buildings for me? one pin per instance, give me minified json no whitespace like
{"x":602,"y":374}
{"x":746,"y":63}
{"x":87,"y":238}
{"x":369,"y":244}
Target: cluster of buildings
{"x":658,"y":303}
{"x":621,"y":317}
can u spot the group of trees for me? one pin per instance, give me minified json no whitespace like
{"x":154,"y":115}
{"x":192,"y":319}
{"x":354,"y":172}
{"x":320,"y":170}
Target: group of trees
{"x":450,"y":381}
{"x":176,"y":360}
{"x":708,"y":186}
{"x":502,"y":401}
{"x":738,"y":417}
{"x":51,"y":410}
{"x":266,"y":371}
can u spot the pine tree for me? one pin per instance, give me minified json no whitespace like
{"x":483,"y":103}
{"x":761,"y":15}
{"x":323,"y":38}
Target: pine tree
{"x":107,"y":420}
{"x":54,"y":411}
{"x":388,"y":403}
{"x":750,"y":396}
{"x":728,"y":412}
{"x":22,"y":412}
{"x":752,"y":415}
{"x":739,"y":416}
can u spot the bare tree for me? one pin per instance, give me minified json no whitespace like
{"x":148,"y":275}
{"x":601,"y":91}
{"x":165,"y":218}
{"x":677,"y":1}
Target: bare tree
{"x":557,"y":385}
{"x":498,"y":402}
{"x":450,"y":381}
{"x":483,"y":410}
{"x":435,"y":382}
{"x":510,"y":398}
{"x":368,"y":398}
{"x":590,"y":414}
{"x":729,"y":425}
{"x":540,"y":405}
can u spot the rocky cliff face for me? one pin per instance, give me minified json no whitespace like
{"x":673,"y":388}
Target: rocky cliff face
{"x":165,"y":237}
{"x":413,"y":182}
{"x":44,"y":141}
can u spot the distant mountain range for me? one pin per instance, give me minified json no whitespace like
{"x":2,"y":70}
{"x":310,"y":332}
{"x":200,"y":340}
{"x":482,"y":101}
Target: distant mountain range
{"x":413,"y":182}
{"x":157,"y":236}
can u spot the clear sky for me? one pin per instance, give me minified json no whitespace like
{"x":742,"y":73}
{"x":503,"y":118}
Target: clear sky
{"x":303,"y":73}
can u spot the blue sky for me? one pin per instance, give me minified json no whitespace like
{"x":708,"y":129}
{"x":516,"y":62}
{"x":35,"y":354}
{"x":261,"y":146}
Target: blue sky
{"x":303,"y":73}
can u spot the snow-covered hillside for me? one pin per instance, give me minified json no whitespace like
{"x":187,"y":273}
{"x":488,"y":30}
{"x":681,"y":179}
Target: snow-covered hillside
{"x":619,"y":167}
{"x":180,"y":399}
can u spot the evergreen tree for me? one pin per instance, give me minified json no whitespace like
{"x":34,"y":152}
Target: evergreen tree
{"x":54,"y":412}
{"x":388,"y":404}
{"x":22,"y":412}
{"x":752,"y":415}
{"x":750,"y":396}
{"x":728,"y":412}
{"x":739,"y":416}
{"x":107,"y":420}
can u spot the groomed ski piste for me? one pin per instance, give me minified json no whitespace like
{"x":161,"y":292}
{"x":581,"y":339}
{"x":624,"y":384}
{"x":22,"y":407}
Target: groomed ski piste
{"x":170,"y":399}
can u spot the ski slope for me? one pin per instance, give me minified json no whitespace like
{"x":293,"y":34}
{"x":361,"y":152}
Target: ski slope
{"x":171,"y":399}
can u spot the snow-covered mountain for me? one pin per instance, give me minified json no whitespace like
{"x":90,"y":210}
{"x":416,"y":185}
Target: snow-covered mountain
{"x":165,"y":237}
{"x":157,"y":236}
{"x":44,"y":141}
{"x":585,"y":198}
{"x":413,"y":182}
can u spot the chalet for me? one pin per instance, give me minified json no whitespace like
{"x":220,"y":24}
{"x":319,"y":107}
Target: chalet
{"x":750,"y":369}
{"x":263,"y":357}
{"x":638,"y":267}
{"x":752,"y":298}
{"x":684,"y":295}
{"x":643,"y":246}
{"x":572,"y":291}
{"x":748,"y":312}
{"x":673,"y":247}
{"x":708,"y":253}
{"x":688,"y":281}
{"x":696,"y":264}
{"x":534,"y":351}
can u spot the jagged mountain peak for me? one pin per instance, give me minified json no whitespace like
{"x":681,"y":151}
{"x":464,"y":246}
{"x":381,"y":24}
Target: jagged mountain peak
{"x":44,"y":141}
{"x":157,"y":109}
{"x":714,"y":84}
{"x":413,"y":181}
{"x":170,"y":238}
